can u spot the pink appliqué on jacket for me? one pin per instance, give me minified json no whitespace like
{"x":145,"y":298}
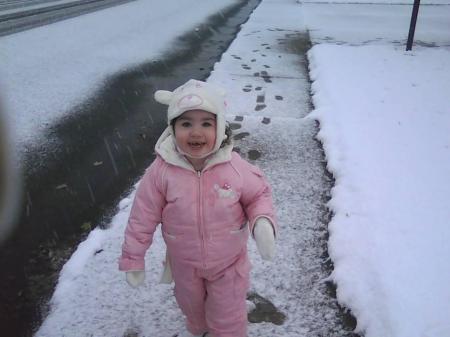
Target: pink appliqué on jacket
{"x":204,"y":215}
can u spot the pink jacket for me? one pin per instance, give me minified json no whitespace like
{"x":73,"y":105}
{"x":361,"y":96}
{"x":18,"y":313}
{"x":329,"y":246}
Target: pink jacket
{"x":204,"y":215}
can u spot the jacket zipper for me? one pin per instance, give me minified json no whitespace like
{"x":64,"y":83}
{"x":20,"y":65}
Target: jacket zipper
{"x":200,"y":217}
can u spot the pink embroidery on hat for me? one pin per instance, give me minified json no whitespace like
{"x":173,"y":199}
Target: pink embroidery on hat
{"x":189,"y":101}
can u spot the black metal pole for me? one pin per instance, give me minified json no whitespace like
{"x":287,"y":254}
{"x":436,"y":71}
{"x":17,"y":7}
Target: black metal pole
{"x":412,"y":25}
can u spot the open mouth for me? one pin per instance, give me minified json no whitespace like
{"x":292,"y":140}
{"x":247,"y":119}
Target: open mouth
{"x":196,"y":145}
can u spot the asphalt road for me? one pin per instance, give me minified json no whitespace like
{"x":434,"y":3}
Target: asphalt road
{"x":16,"y":16}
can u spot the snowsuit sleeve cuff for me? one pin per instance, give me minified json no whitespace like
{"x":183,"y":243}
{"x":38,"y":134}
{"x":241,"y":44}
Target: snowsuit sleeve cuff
{"x":271,"y":220}
{"x":126,"y":264}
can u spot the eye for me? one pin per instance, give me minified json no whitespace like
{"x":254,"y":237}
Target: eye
{"x":207,"y":124}
{"x":185,"y":124}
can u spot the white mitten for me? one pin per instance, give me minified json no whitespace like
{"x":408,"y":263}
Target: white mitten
{"x":166,"y":276}
{"x":265,"y":238}
{"x":135,"y":278}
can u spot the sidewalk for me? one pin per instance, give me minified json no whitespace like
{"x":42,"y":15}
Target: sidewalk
{"x":266,"y":69}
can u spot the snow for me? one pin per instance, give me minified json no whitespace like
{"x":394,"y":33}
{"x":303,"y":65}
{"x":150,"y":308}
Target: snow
{"x":384,"y":119}
{"x":384,"y":124}
{"x":375,"y":23}
{"x":423,"y":3}
{"x":388,"y":145}
{"x":44,"y":74}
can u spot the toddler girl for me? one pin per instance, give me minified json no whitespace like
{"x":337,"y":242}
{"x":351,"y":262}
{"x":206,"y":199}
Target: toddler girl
{"x":207,"y":199}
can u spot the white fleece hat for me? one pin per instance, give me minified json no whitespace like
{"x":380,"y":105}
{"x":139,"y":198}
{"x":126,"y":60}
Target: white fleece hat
{"x":196,"y":95}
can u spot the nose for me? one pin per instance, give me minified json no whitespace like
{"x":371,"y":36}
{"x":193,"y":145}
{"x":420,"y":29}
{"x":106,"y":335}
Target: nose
{"x":196,"y":131}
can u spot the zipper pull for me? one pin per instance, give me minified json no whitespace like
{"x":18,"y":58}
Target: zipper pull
{"x":199,"y":173}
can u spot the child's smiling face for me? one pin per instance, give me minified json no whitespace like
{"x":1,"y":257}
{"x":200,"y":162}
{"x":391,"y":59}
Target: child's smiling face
{"x":195,"y":133}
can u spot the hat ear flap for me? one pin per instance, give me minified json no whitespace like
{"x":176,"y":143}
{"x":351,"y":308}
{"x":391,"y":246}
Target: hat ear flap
{"x":163,"y":96}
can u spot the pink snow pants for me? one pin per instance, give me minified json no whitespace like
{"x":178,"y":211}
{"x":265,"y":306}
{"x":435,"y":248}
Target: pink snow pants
{"x":214,"y":299}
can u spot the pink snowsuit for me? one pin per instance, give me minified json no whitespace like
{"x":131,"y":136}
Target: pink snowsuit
{"x":205,"y":217}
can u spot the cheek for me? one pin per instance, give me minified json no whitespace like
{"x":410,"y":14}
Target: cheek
{"x":180,"y":137}
{"x":212,"y":135}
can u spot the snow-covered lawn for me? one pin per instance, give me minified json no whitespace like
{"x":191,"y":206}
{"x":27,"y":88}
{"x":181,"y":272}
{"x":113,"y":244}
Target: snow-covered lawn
{"x":377,"y":22}
{"x":385,"y":126}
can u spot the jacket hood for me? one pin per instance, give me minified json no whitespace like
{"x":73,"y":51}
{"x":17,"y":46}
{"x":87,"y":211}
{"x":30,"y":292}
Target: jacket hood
{"x":167,"y":149}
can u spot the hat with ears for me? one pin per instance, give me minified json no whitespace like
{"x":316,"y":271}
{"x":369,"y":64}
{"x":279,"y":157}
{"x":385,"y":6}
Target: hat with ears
{"x":196,"y":95}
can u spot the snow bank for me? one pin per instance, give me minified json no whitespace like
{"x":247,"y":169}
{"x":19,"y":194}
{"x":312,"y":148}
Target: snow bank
{"x":385,"y":118}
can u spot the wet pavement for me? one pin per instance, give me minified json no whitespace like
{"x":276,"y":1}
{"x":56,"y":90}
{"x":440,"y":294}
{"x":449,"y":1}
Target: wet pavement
{"x":91,"y":159}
